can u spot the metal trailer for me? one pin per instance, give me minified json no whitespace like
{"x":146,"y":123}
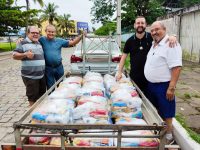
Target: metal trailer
{"x":23,"y":127}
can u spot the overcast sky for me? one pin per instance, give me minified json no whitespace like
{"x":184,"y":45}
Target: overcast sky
{"x":78,"y":9}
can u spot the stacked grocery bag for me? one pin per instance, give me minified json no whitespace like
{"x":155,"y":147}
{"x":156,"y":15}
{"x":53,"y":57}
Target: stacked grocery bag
{"x":93,"y":99}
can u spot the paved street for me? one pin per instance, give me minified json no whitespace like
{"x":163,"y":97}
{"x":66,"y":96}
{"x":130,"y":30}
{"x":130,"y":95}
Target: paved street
{"x":13,"y":102}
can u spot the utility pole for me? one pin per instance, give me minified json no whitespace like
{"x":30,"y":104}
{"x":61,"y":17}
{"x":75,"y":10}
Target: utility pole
{"x":119,"y":23}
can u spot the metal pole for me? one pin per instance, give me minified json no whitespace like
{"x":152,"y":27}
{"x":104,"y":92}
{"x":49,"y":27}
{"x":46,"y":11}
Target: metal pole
{"x":109,"y":55}
{"x":119,"y":23}
{"x":62,"y":142}
{"x":18,"y":138}
{"x":119,"y":138}
{"x":162,"y":139}
{"x":84,"y":54}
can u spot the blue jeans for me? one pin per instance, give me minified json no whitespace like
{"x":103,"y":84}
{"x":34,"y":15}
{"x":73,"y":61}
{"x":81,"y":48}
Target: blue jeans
{"x":53,"y":74}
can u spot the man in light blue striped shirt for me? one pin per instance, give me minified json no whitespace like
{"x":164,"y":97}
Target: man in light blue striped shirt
{"x":30,"y":52}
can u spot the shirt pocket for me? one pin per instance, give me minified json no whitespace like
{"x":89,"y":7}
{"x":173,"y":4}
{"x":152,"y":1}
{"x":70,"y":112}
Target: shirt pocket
{"x":157,"y":60}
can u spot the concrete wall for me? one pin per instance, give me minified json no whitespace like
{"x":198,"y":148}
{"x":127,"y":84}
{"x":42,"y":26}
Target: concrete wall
{"x":186,"y":25}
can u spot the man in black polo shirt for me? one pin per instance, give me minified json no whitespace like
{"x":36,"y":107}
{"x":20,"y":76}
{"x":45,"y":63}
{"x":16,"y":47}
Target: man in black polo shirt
{"x":138,"y":46}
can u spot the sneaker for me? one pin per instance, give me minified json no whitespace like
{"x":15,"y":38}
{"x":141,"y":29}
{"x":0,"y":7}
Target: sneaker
{"x":170,"y":142}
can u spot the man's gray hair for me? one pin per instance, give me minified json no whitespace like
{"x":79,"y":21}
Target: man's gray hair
{"x":161,"y":24}
{"x":29,"y":28}
{"x":51,"y":26}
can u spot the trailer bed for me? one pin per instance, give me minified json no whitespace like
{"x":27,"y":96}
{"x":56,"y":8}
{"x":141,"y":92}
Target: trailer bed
{"x":23,"y":127}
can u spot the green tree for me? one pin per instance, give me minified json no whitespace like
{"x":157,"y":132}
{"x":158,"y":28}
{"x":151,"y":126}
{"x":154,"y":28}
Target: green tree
{"x":49,"y":13}
{"x":104,"y":9}
{"x":106,"y":28}
{"x":65,"y":25}
{"x":12,"y":18}
{"x":186,"y":3}
{"x":28,"y":18}
{"x":28,"y":3}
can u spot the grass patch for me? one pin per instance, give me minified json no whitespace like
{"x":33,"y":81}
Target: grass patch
{"x":4,"y":47}
{"x":195,"y":136}
{"x":196,"y":95}
{"x":127,"y":62}
{"x":187,"y":96}
{"x":183,"y":83}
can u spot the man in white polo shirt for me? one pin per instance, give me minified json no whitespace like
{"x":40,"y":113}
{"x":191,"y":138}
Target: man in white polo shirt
{"x":162,"y":70}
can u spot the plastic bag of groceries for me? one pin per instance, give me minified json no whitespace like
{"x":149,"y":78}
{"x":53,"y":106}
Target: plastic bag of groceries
{"x":64,"y":93}
{"x":135,"y":142}
{"x":94,"y":141}
{"x":109,"y":81}
{"x":92,"y":120}
{"x":94,"y":85}
{"x":56,"y":141}
{"x":39,"y":140}
{"x":58,"y":118}
{"x":74,"y":86}
{"x":88,"y":91}
{"x":121,"y":114}
{"x":53,"y":107}
{"x":130,"y":88}
{"x":133,"y":121}
{"x":122,"y":95}
{"x":73,"y":80}
{"x":93,"y":77}
{"x":90,"y":109}
{"x":94,"y":99}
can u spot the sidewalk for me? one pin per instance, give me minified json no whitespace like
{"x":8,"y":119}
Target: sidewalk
{"x":13,"y":102}
{"x":188,"y":95}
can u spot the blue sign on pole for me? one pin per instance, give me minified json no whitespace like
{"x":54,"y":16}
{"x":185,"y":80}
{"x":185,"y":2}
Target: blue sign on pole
{"x":82,"y":26}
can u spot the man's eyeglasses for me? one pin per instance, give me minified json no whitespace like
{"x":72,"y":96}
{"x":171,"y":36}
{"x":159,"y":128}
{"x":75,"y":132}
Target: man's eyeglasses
{"x":34,"y":33}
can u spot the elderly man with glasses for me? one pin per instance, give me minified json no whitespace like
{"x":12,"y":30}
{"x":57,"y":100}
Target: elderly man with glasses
{"x":30,"y":52}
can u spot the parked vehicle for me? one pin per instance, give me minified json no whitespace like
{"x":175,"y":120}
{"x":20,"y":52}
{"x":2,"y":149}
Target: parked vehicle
{"x":98,"y":54}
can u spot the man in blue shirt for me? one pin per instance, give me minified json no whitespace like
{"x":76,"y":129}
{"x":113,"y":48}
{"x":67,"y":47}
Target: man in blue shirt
{"x":52,"y":52}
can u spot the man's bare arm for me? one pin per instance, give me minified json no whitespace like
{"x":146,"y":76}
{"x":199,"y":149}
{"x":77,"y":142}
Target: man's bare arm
{"x":121,"y":66}
{"x":171,"y":89}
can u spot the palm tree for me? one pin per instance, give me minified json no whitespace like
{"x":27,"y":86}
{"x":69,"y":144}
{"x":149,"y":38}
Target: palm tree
{"x":65,"y":25}
{"x":50,"y":13}
{"x":28,"y":3}
{"x":28,"y":8}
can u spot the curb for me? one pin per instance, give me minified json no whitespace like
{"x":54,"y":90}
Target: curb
{"x":182,"y":137}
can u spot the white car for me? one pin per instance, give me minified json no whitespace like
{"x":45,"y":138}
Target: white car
{"x":98,"y":57}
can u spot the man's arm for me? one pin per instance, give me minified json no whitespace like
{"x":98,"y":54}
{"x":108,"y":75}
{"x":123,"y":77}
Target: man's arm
{"x":75,"y":41}
{"x":172,"y":85}
{"x":19,"y":56}
{"x":121,"y":66}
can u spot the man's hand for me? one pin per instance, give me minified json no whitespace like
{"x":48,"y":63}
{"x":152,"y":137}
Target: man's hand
{"x":19,"y":40}
{"x":170,"y":93}
{"x":119,"y":76}
{"x":29,"y":54}
{"x":84,"y":33}
{"x":172,"y":41}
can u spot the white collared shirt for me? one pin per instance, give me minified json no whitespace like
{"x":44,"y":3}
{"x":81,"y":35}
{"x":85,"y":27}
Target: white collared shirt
{"x":160,"y":60}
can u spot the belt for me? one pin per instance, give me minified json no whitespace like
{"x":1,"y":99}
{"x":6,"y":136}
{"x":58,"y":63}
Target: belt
{"x":54,"y":66}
